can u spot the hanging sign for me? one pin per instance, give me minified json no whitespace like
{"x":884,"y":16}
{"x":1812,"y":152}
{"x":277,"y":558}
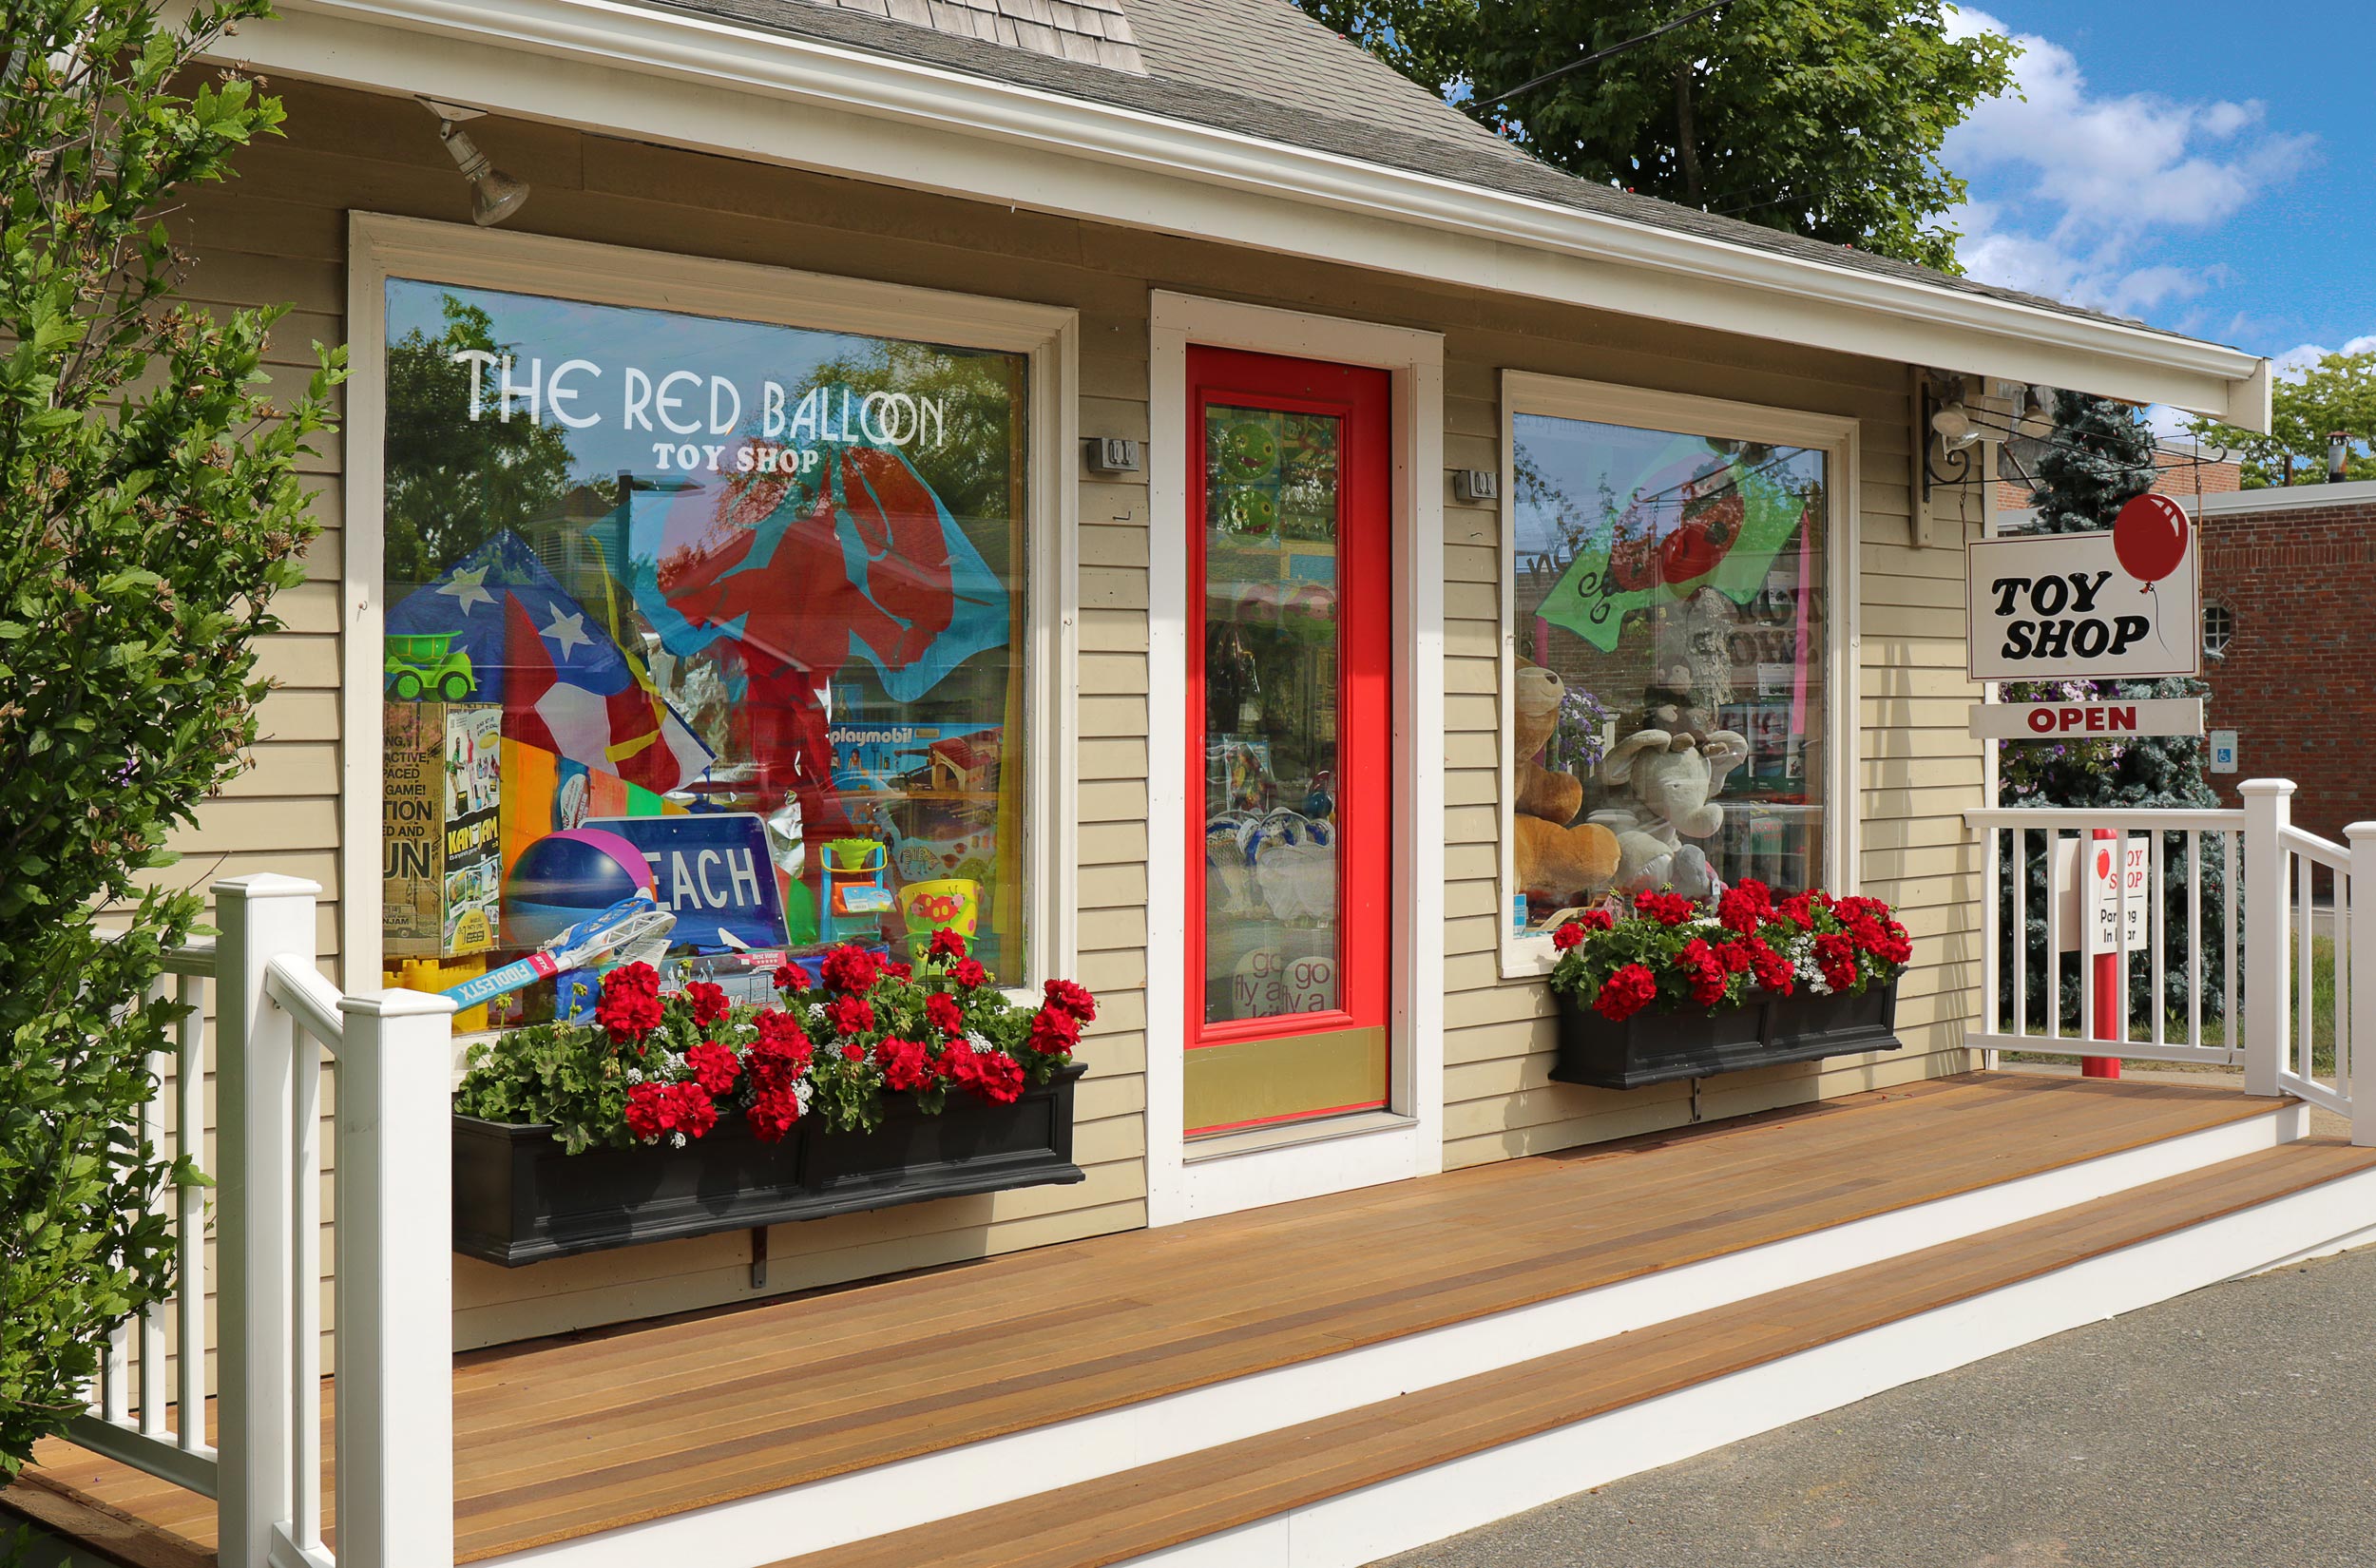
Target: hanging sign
{"x":2062,"y":721}
{"x":2124,"y":605}
{"x":2088,"y":874}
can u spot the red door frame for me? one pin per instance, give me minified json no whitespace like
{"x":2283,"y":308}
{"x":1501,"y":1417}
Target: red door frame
{"x":1362,"y":397}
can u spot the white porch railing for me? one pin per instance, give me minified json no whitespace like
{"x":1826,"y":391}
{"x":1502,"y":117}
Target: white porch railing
{"x":392,"y":1258}
{"x":140,"y":1415}
{"x":2242,"y":987}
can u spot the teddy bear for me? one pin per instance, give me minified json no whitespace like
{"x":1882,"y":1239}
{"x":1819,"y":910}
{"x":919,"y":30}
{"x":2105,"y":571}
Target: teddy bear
{"x":1555,"y":860}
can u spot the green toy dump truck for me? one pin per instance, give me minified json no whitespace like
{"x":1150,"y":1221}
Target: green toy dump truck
{"x":420,"y":664}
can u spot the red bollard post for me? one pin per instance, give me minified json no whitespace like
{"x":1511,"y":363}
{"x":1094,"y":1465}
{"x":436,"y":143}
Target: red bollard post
{"x":2111,"y":1010}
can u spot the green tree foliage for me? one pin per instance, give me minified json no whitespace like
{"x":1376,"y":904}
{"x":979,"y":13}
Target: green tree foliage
{"x":149,"y":510}
{"x":455,"y":482}
{"x":1819,"y":117}
{"x":2337,"y":393}
{"x":2099,"y":457}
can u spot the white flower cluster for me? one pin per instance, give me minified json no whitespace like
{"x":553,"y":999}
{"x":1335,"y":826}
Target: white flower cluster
{"x":980,"y":1042}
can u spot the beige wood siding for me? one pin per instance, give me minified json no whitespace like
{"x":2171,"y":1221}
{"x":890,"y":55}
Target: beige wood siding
{"x":278,"y":234}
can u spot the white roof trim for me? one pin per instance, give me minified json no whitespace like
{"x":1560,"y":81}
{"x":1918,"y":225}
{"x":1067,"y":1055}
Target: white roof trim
{"x":697,"y":81}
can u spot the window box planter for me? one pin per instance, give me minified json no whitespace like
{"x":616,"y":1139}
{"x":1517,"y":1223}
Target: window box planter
{"x":1657,"y":1047}
{"x":519,"y":1198}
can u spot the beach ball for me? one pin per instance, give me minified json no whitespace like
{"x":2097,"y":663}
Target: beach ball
{"x":567,"y":877}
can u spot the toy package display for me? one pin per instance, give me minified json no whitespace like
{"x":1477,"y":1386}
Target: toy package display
{"x":440,"y":797}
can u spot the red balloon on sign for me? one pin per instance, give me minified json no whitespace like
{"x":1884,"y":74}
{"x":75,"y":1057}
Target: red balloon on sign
{"x":2149,"y":536}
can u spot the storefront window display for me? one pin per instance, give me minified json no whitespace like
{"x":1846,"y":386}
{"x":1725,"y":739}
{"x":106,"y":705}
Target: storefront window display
{"x":1671,"y":630}
{"x":724,"y":613}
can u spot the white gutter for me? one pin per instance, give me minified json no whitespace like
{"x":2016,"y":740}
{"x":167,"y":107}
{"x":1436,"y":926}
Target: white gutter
{"x":697,"y":81}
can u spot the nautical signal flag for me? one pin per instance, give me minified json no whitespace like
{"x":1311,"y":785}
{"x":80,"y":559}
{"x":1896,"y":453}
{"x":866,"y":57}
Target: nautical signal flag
{"x":564,"y":684}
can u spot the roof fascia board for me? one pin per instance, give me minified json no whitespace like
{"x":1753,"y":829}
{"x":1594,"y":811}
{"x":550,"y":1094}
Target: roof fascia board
{"x":749,"y":93}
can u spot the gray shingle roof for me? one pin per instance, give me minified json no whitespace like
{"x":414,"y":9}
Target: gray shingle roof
{"x":1093,"y":33}
{"x":1262,"y":69}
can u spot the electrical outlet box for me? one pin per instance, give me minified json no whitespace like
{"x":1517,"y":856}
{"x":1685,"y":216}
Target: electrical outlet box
{"x":1111,"y":455}
{"x":1473,"y":485}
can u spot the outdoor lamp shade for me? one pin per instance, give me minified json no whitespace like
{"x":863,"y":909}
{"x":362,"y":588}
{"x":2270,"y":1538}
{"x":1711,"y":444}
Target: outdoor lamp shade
{"x":1953,"y":427}
{"x":495,"y":196}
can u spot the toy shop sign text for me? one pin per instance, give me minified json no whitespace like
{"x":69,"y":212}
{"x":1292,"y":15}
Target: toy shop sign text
{"x":682,"y":403}
{"x":2071,"y":608}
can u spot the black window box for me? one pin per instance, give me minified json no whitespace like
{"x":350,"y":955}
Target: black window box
{"x":519,"y":1198}
{"x":1657,"y":1047}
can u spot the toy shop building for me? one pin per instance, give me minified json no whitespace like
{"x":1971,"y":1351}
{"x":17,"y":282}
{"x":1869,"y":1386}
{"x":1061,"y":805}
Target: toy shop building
{"x":1142,"y":483}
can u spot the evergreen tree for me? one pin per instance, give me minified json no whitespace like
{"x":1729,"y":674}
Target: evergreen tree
{"x":2099,"y":457}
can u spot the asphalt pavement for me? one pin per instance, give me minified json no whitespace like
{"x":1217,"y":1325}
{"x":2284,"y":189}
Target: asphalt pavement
{"x":2232,"y":1429}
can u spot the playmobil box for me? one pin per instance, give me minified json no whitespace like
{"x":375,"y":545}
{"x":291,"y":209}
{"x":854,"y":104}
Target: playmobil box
{"x":441,"y":866}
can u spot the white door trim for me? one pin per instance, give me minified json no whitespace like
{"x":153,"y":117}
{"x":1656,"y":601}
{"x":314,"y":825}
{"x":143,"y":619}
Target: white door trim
{"x":1409,"y":1139}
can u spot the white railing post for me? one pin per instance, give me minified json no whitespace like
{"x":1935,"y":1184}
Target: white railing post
{"x":2356,"y":1072}
{"x":396,"y":1282}
{"x":2268,"y":899}
{"x":262,"y":918}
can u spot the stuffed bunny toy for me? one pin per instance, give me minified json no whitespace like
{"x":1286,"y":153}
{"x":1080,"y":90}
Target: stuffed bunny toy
{"x":1667,"y":783}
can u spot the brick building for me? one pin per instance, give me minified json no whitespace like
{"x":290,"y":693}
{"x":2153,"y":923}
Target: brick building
{"x":2289,"y":641}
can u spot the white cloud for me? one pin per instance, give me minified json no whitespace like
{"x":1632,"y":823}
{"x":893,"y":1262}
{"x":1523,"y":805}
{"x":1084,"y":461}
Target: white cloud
{"x":2087,"y":180}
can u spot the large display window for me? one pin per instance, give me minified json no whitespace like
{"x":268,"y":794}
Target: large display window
{"x":1673,"y":659}
{"x":723,"y":620}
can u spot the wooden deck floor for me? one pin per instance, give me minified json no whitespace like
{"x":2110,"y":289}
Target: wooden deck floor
{"x":562,"y":1438}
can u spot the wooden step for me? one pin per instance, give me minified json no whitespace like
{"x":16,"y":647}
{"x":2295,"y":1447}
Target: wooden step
{"x":1130,"y":1515}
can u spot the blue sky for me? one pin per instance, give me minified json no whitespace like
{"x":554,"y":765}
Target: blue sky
{"x":2204,"y":167}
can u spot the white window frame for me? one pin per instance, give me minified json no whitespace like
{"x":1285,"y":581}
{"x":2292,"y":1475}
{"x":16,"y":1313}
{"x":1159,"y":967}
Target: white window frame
{"x":1530,"y":956}
{"x":1262,"y":1166}
{"x":380,"y":247}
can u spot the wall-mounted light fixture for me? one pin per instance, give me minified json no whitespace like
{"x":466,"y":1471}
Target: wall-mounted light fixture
{"x":495,"y":195}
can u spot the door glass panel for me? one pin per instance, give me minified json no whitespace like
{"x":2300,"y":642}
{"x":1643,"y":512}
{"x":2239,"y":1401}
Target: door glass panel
{"x":1272,"y":698}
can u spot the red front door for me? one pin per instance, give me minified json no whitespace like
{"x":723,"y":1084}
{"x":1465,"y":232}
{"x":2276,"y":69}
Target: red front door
{"x":1290,"y":739}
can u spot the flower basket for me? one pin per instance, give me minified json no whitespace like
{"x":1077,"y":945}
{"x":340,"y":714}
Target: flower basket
{"x":1663,"y":989}
{"x":520,"y":1198}
{"x":876,"y":1083}
{"x":1654,"y":1047}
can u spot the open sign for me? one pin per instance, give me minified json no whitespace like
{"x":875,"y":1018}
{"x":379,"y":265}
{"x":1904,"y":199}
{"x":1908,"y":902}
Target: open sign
{"x":2055,"y":721}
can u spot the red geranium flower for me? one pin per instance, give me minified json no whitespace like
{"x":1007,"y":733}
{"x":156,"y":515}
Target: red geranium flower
{"x":790,"y":979}
{"x":1568,"y":936}
{"x":1054,"y":1032}
{"x":1666,"y":908}
{"x":1702,"y":971}
{"x":948,"y":944}
{"x":1836,"y":957}
{"x":1625,"y":993}
{"x":942,"y":1012}
{"x":905,"y":1063}
{"x":969,"y":972}
{"x":849,"y":968}
{"x":630,"y":1005}
{"x":1733,"y":956}
{"x":854,"y":1052}
{"x":714,"y":1067}
{"x":708,"y":1001}
{"x":773,"y":1111}
{"x":1596,"y":920}
{"x":1771,"y":969}
{"x":850,"y":1015}
{"x":696,"y":1112}
{"x":899,"y":971}
{"x":1068,"y":997}
{"x":1745,"y":907}
{"x":651,"y":1111}
{"x":992,"y":1076}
